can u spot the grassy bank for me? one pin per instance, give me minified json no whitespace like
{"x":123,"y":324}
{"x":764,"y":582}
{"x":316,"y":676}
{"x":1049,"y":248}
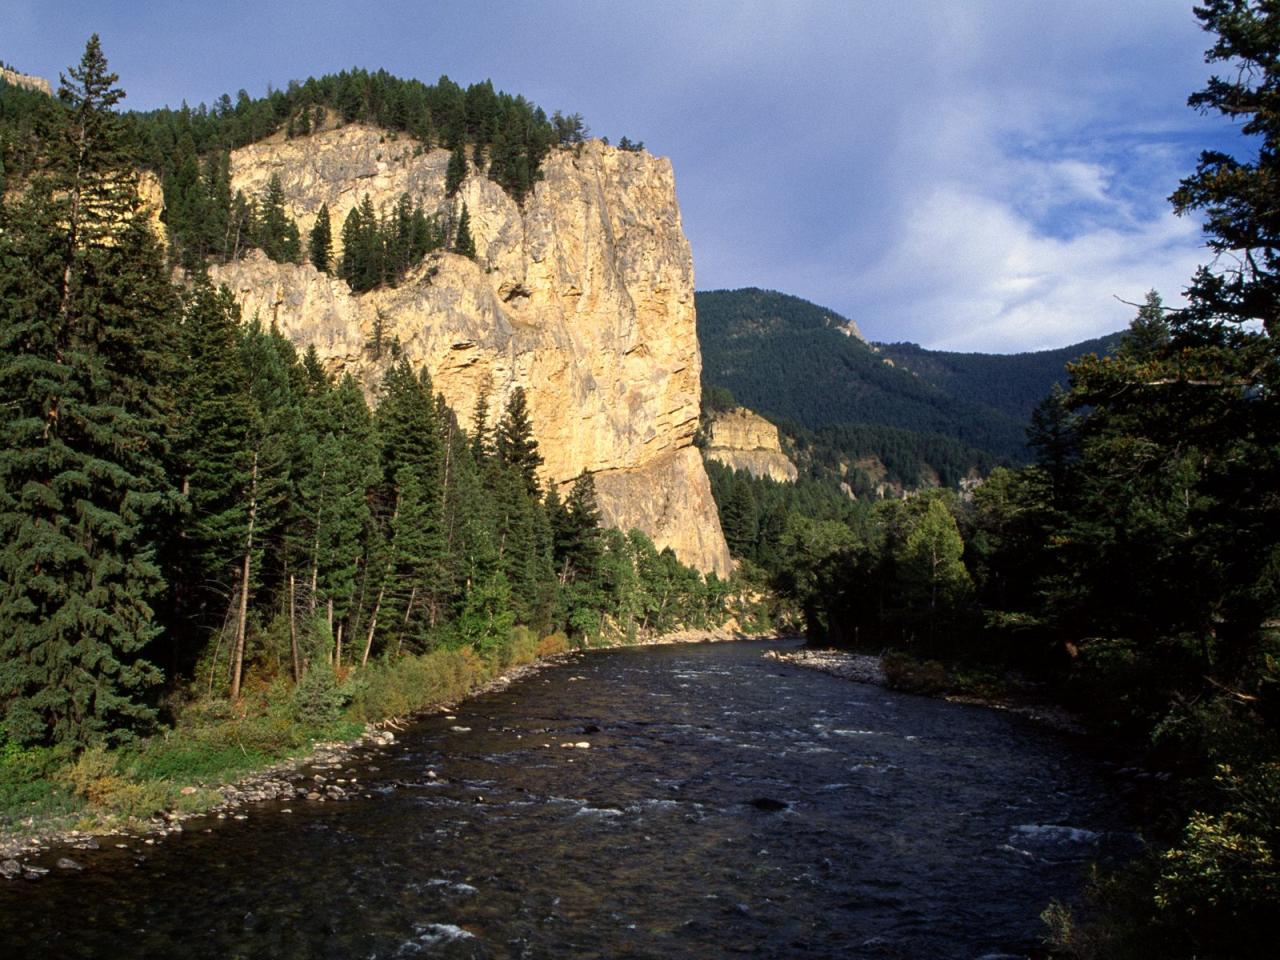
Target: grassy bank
{"x":212,"y":742}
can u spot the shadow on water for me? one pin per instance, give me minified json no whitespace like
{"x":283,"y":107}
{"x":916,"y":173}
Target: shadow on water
{"x":726,"y":805}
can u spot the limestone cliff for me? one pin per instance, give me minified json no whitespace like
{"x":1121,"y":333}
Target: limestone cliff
{"x":747,"y":441}
{"x":584,"y":297}
{"x":38,"y":84}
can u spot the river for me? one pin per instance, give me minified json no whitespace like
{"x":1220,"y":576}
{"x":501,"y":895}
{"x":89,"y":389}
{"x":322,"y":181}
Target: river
{"x":727,"y":805}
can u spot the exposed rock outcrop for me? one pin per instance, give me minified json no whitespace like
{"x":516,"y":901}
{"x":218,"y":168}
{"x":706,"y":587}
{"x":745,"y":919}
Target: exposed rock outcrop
{"x":38,"y":84}
{"x":584,"y":298}
{"x":743,"y":440}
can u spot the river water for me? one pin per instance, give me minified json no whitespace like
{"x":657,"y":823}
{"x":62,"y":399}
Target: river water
{"x":728,"y":805}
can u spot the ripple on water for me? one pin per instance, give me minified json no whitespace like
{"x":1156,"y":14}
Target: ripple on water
{"x":670,"y":838}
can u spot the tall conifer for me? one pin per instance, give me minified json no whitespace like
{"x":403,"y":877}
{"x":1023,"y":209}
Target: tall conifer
{"x":515,"y":443}
{"x":86,"y":333}
{"x":320,"y":243}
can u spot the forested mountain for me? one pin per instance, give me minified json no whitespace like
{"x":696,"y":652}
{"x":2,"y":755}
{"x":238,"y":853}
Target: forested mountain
{"x":1011,"y":383}
{"x":796,"y":361}
{"x":183,"y":493}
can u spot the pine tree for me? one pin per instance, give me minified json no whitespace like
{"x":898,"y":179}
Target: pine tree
{"x":86,"y":340}
{"x":464,"y":243}
{"x":515,"y":443}
{"x":481,"y":439}
{"x":456,"y":172}
{"x":335,"y":470}
{"x":216,"y":183}
{"x":411,"y":548}
{"x":269,"y":444}
{"x":469,"y":523}
{"x":210,"y":456}
{"x":275,"y":231}
{"x":320,"y":243}
{"x":351,"y":266}
{"x":740,"y":517}
{"x":582,"y":545}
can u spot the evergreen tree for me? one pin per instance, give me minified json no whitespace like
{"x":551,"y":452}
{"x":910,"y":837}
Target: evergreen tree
{"x":1148,"y":334}
{"x":464,"y":243}
{"x":240,"y":226}
{"x":740,"y":518}
{"x":481,"y":439}
{"x":351,"y":267}
{"x":515,"y":444}
{"x":412,"y":547}
{"x":86,"y":339}
{"x":275,"y":231}
{"x":456,"y":172}
{"x":320,"y":243}
{"x":336,"y":471}
{"x":210,"y":455}
{"x":582,"y":544}
{"x":273,"y":426}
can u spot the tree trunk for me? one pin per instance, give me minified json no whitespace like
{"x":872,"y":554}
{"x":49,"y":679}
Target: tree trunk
{"x":373,"y":623}
{"x":405,"y":624}
{"x":382,"y":587}
{"x":246,"y":568}
{"x":293,"y":635}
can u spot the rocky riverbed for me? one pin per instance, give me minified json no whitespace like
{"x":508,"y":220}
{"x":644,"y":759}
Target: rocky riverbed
{"x":858,"y":667}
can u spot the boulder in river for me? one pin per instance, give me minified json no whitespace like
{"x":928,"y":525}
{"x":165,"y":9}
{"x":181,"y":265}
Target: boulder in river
{"x":769,"y":804}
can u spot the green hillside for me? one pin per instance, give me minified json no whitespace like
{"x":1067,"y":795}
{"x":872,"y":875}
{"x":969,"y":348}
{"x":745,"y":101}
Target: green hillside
{"x":791,"y":360}
{"x":1011,"y":383}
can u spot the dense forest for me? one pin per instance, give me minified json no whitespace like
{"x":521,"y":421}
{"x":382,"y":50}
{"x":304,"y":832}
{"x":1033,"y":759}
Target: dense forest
{"x":1133,"y":568}
{"x":188,"y":506}
{"x":871,"y":460}
{"x":1013,"y":383}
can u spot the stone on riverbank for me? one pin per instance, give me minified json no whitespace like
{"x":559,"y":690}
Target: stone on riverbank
{"x":857,"y":667}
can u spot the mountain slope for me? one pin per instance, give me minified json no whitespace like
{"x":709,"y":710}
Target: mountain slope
{"x":794,"y":360}
{"x":1010,"y":383}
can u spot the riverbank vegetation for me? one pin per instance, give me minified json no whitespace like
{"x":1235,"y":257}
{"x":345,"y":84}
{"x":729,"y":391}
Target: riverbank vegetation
{"x":212,"y":550}
{"x":1134,"y":568}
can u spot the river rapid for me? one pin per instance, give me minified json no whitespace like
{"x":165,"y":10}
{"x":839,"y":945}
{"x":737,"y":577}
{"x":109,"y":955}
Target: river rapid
{"x":726,"y":805}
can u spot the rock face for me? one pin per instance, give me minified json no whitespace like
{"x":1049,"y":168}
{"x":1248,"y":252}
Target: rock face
{"x":38,"y":84}
{"x":743,"y":440}
{"x":584,"y":298}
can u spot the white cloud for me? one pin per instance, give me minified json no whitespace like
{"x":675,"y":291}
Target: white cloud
{"x":978,"y":276}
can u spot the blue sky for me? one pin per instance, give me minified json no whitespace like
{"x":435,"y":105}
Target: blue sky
{"x":967,"y":174}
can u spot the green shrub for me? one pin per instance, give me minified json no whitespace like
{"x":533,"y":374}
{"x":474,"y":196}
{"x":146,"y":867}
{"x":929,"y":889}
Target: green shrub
{"x":320,"y":697}
{"x":1221,"y":881}
{"x":31,"y":780}
{"x":521,"y":648}
{"x":410,"y":684}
